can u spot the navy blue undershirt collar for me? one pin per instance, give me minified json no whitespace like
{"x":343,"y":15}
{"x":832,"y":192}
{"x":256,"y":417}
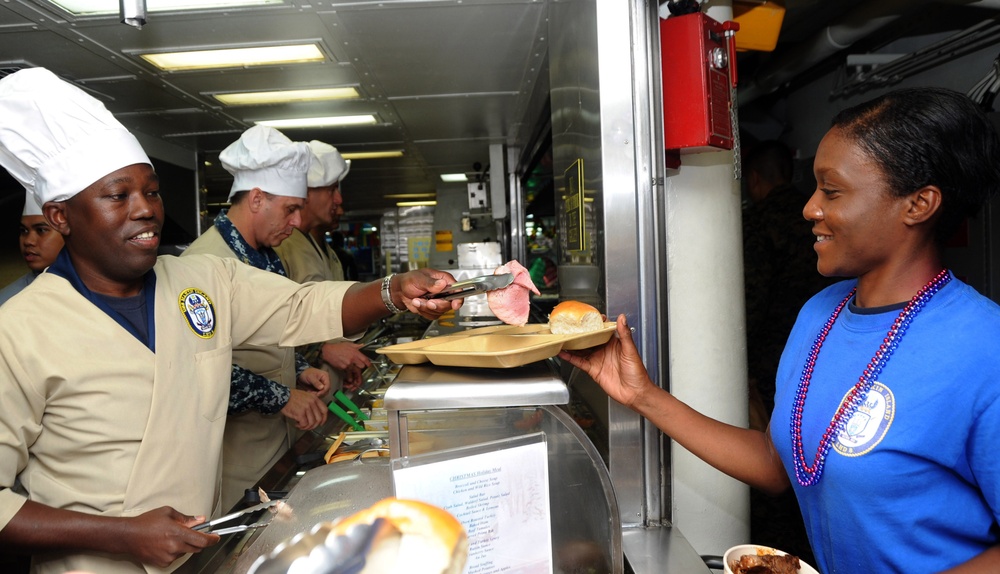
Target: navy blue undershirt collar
{"x":63,"y":267}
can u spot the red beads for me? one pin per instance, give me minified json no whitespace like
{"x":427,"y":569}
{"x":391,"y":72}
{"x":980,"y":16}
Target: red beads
{"x":808,"y":475}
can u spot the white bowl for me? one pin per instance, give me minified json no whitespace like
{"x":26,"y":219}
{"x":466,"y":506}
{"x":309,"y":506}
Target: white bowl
{"x":756,"y":550}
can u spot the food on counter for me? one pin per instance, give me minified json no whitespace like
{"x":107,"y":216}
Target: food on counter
{"x":529,"y":421}
{"x":572,"y":317}
{"x":427,"y":539}
{"x":580,"y":557}
{"x":765,"y":564}
{"x":512,"y":304}
{"x":281,"y":510}
{"x":355,"y":455}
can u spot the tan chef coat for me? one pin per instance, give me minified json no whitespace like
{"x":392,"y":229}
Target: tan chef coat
{"x":95,"y":422}
{"x":253,"y":441}
{"x":306,"y":260}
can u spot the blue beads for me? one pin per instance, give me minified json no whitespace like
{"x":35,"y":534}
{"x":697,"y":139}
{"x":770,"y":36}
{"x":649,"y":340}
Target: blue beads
{"x":808,"y":475}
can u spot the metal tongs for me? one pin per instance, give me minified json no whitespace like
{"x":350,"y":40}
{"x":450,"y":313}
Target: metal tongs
{"x":210,"y":525}
{"x":474,"y":286}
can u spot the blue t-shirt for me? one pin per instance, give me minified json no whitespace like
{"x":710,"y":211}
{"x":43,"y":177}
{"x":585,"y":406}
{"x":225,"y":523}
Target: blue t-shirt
{"x":913,"y":482}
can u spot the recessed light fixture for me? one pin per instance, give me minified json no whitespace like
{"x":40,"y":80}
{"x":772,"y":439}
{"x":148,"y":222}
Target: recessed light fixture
{"x":451,"y":177}
{"x":286,"y":96}
{"x":321,"y":122}
{"x":415,"y":203}
{"x":410,"y":196}
{"x":235,"y":57}
{"x":95,"y":7}
{"x":372,"y":154}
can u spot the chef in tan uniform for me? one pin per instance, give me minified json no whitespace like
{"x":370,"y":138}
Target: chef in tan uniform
{"x":307,"y":257}
{"x":269,"y":188}
{"x":39,"y":245}
{"x":114,"y":364}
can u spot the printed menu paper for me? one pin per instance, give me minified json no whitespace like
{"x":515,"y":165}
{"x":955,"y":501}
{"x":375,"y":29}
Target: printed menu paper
{"x":499,"y":491}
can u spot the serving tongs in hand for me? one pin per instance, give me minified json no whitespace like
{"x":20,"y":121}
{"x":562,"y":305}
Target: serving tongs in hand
{"x":474,"y":286}
{"x":210,"y":525}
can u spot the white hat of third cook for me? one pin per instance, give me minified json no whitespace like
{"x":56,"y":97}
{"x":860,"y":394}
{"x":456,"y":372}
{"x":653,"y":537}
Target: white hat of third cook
{"x":31,"y":206}
{"x":328,"y":166}
{"x":264,"y":157}
{"x":57,"y":139}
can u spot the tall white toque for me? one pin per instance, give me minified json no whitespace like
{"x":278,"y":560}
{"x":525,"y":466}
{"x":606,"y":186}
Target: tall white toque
{"x":56,"y":139}
{"x":328,"y":166}
{"x":31,"y":206}
{"x":264,"y":157}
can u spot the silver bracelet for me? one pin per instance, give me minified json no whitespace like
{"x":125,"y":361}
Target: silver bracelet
{"x":387,"y":296}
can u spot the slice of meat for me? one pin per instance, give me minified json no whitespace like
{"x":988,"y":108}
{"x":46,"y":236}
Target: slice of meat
{"x":512,"y":304}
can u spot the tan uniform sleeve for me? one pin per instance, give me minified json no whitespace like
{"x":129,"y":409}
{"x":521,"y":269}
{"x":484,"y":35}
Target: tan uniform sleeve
{"x":19,"y":427}
{"x":10,"y":503}
{"x":269,"y":309}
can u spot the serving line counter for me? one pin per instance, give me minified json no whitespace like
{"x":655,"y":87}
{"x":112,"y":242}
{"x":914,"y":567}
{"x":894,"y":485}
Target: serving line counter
{"x":442,"y":413}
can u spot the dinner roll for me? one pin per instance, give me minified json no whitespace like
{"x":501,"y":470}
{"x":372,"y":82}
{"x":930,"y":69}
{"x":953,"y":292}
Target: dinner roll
{"x":429,"y":540}
{"x":571,"y":317}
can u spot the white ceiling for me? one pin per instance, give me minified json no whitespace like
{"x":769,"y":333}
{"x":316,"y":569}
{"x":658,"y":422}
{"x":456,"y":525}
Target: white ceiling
{"x":444,"y":79}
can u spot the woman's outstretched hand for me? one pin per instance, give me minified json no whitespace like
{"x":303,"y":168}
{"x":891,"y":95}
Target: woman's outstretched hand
{"x":616,"y":366}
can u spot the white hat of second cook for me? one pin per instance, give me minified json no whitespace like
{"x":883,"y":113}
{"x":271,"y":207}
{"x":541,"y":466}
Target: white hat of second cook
{"x":56,"y":139}
{"x":328,"y":166}
{"x":265,"y":158}
{"x":31,"y":206}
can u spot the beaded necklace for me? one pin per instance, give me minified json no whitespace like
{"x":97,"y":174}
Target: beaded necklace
{"x":809,"y":475}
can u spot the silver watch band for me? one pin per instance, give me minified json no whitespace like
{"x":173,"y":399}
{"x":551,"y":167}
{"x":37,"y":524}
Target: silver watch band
{"x":387,"y":296}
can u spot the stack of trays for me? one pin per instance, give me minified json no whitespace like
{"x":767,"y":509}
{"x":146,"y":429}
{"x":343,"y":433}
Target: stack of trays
{"x":501,"y":346}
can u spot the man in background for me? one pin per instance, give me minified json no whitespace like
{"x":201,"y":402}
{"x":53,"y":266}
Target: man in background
{"x":307,"y":257}
{"x":780,"y":274}
{"x":40,"y":244}
{"x":339,"y":245}
{"x":266,"y":199}
{"x":779,"y":263}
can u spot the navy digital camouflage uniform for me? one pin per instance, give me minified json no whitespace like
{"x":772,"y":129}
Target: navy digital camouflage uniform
{"x":780,"y":274}
{"x":779,"y":266}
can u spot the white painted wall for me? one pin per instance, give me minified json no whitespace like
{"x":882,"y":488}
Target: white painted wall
{"x":707,"y":336}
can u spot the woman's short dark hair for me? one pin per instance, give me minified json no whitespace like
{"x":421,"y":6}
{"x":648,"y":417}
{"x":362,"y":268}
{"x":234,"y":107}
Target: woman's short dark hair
{"x":930,"y":136}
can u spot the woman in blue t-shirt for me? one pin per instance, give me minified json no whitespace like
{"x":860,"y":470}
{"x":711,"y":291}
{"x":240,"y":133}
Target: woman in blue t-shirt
{"x":887,"y":404}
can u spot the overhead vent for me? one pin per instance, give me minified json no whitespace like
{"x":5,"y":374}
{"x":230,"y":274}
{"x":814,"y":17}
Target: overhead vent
{"x":8,"y":68}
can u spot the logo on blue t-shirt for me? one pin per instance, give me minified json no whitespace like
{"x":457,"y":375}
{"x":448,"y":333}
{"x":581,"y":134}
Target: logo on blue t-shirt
{"x":869,"y":424}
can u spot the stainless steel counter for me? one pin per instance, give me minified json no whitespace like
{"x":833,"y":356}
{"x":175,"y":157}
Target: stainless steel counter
{"x":321,"y":493}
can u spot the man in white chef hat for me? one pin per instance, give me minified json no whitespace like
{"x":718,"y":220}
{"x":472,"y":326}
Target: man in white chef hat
{"x":39,"y":243}
{"x":269,"y":189}
{"x":307,"y":257}
{"x":115,"y":364}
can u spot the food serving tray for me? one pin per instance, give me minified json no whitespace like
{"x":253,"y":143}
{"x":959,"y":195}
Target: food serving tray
{"x":499,"y":346}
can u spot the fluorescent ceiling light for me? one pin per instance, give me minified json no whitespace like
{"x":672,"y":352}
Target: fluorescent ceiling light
{"x":323,"y":122}
{"x":415,"y":203}
{"x":453,"y":177}
{"x":235,"y":57}
{"x":410,"y":196}
{"x":372,"y":154}
{"x":286,"y":96}
{"x":95,"y":7}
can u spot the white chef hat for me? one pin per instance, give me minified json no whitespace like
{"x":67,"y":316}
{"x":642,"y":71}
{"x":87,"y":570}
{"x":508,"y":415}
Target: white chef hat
{"x":56,"y":139}
{"x":31,"y":206}
{"x":328,"y":166}
{"x":264,"y":157}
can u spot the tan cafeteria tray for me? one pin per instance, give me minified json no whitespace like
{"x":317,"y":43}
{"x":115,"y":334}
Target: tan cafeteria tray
{"x":501,"y":346}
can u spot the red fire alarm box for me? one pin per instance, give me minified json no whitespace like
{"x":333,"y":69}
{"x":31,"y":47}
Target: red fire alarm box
{"x":698,"y":57}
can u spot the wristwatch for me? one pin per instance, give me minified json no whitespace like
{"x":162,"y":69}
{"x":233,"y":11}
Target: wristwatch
{"x":387,"y":296}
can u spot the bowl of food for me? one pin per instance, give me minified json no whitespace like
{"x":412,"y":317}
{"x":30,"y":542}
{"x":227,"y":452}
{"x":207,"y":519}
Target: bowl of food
{"x":757,"y":559}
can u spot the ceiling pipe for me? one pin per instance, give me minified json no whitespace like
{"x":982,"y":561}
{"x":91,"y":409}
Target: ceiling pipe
{"x":859,"y":24}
